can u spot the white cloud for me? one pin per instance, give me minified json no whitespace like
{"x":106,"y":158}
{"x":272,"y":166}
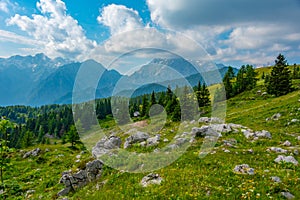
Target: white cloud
{"x":4,"y":6}
{"x":13,"y":37}
{"x":59,"y":32}
{"x":120,"y":18}
{"x":241,"y":31}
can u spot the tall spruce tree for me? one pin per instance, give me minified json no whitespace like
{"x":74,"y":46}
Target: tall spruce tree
{"x":202,"y":95}
{"x":228,"y":86}
{"x":279,"y":82}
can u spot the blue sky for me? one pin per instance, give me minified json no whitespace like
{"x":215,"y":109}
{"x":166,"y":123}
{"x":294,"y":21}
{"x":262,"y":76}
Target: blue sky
{"x":232,"y":32}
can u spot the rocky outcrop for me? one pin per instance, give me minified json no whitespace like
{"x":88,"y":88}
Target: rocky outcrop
{"x":106,"y":145}
{"x":135,"y":138}
{"x":74,"y":181}
{"x":151,"y":179}
{"x":34,"y":153}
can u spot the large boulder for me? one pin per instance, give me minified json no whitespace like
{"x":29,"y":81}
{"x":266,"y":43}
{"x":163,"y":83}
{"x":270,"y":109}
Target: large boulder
{"x":72,"y":182}
{"x":135,"y":138}
{"x":206,"y":131}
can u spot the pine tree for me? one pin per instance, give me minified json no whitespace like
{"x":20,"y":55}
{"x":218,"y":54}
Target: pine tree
{"x":27,"y":139}
{"x":250,"y":77}
{"x":72,"y":136}
{"x":280,"y":78}
{"x":202,"y":95}
{"x":144,"y":109}
{"x":228,"y":85}
{"x":240,"y":84}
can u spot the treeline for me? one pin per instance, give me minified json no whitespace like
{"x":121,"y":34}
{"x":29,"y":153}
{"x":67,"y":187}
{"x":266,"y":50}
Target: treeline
{"x":40,"y":124}
{"x":277,"y":83}
{"x":245,"y":79}
{"x":176,"y":103}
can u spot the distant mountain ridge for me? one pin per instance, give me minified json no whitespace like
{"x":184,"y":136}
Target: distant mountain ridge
{"x":38,"y":80}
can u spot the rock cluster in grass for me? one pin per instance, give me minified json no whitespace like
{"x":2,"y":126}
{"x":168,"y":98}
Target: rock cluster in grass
{"x":287,"y":159}
{"x":73,"y":182}
{"x":250,"y":134}
{"x":277,"y":150}
{"x":135,"y":138}
{"x":34,"y":153}
{"x":276,"y":179}
{"x":243,"y":169}
{"x":151,"y":179}
{"x":287,"y":195}
{"x":106,"y":145}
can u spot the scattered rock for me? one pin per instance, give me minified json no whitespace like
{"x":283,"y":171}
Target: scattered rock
{"x":138,"y":137}
{"x":143,"y":144}
{"x":153,"y":141}
{"x":250,"y":151}
{"x":287,"y":195}
{"x":74,"y":181}
{"x":47,"y":150}
{"x":192,"y":122}
{"x":78,"y":156}
{"x":205,"y":131}
{"x":287,"y":143}
{"x":28,"y":192}
{"x":276,"y":116}
{"x":151,"y":179}
{"x":295,"y":120}
{"x":210,"y":120}
{"x":244,"y":169}
{"x":34,"y":153}
{"x":166,"y":140}
{"x":230,"y":142}
{"x":256,"y":135}
{"x":298,"y":138}
{"x":276,"y":179}
{"x":288,"y":159}
{"x":264,"y":93}
{"x":226,"y":151}
{"x":277,"y":150}
{"x":106,"y":145}
{"x":296,"y":152}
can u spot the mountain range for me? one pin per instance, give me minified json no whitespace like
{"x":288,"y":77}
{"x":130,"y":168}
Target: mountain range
{"x":38,"y":80}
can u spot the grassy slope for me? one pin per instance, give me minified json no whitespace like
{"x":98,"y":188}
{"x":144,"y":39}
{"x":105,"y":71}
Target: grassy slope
{"x":189,"y":177}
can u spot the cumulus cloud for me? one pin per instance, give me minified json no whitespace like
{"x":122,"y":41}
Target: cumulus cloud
{"x":4,"y":6}
{"x":60,"y":33}
{"x":120,"y":19}
{"x":234,"y":29}
{"x":182,"y":13}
